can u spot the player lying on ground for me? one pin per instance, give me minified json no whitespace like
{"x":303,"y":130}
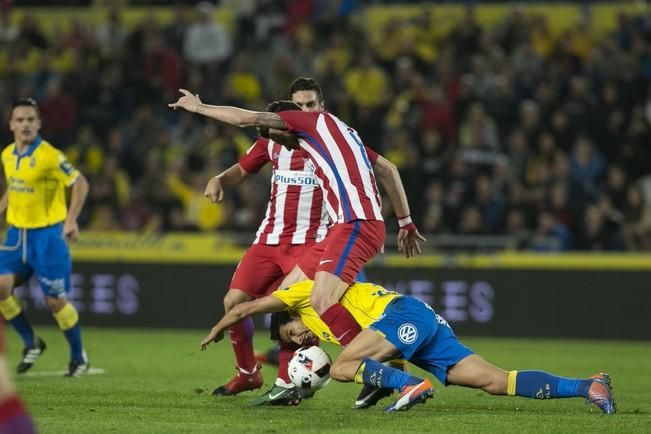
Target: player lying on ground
{"x":400,"y":326}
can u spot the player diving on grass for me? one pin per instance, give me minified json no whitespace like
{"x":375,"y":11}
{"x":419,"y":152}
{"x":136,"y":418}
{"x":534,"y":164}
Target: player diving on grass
{"x":397,"y":326}
{"x":343,"y":171}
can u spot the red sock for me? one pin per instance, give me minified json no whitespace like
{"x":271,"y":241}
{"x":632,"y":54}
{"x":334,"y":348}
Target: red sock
{"x":14,"y":418}
{"x":341,"y":323}
{"x":242,"y":340}
{"x":284,"y":356}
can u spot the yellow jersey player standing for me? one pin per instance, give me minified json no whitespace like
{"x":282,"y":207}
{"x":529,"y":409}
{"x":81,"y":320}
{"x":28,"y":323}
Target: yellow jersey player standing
{"x":37,"y":175}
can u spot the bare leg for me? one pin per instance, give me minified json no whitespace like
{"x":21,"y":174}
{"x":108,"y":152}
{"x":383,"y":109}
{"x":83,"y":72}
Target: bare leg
{"x":296,"y":275}
{"x":241,"y":334}
{"x":367,"y":344}
{"x":327,"y":290}
{"x":475,"y":372}
{"x":7,"y":283}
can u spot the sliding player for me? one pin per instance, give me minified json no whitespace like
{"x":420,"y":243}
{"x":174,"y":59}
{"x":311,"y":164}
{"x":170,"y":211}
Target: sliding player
{"x":400,"y":326}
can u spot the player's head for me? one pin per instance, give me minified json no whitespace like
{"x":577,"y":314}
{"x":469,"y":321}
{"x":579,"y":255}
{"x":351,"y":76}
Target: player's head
{"x":288,"y":328}
{"x":285,"y":138}
{"x":25,"y":121}
{"x":307,"y":93}
{"x":282,"y":105}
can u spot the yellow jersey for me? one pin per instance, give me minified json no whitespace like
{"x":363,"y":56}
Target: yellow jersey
{"x":365,"y":301}
{"x":36,"y":182}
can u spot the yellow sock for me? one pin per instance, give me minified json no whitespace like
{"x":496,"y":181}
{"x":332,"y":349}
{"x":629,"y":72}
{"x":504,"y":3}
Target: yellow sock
{"x":10,"y":308}
{"x":67,"y":317}
{"x":359,"y":375}
{"x":510,"y":384}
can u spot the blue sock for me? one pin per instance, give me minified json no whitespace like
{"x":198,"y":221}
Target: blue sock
{"x":541,"y":385}
{"x":379,"y":375}
{"x":73,"y":335}
{"x":24,"y":329}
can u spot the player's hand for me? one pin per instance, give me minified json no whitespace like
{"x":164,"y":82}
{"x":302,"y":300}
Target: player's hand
{"x":71,"y":231}
{"x":215,"y":335}
{"x":408,"y":242}
{"x":214,"y":190}
{"x":188,"y":101}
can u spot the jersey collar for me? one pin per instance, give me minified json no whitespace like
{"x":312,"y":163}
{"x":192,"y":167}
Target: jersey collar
{"x":30,"y":149}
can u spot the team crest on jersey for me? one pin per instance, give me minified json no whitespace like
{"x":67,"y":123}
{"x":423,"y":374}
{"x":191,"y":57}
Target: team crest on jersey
{"x":407,"y":333}
{"x":32,"y":162}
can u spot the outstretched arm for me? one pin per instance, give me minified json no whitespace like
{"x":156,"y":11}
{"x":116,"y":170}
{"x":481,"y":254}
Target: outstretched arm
{"x":408,"y":235}
{"x":266,"y":304}
{"x":230,"y":115}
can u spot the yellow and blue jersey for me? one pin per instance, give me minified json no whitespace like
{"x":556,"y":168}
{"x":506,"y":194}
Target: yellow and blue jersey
{"x":36,"y":182}
{"x":365,"y":301}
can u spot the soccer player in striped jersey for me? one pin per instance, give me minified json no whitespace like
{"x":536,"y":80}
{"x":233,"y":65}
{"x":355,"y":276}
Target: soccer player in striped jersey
{"x":295,"y":219}
{"x":39,"y":225}
{"x":399,"y":326}
{"x":343,"y":170}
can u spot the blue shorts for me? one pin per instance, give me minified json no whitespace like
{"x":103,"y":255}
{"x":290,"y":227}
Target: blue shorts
{"x":41,"y":251}
{"x":421,"y":335}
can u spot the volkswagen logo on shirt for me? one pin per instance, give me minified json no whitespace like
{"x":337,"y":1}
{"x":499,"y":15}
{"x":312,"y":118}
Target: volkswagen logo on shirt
{"x":407,"y":333}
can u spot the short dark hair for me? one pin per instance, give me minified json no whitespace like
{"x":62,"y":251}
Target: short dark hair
{"x":278,"y":319}
{"x":282,"y":106}
{"x":277,"y":107}
{"x":306,"y":83}
{"x":28,"y":102}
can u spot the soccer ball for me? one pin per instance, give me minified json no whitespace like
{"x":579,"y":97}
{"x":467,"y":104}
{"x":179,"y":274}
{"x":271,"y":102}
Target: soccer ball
{"x":310,"y":368}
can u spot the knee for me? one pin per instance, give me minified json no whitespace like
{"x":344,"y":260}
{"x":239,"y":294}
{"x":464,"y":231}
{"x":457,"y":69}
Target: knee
{"x":6,"y":286}
{"x":55,"y":304}
{"x":228,"y":304}
{"x":231,"y":300}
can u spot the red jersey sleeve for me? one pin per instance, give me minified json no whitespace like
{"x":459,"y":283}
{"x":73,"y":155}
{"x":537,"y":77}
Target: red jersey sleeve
{"x":372,"y":155}
{"x":256,"y":157}
{"x":298,"y":121}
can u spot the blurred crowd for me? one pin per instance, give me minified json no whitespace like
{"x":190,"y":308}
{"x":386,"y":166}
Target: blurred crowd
{"x":508,"y":129}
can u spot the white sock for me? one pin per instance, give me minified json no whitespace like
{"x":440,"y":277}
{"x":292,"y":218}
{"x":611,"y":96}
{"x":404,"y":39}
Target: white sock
{"x":281,"y":383}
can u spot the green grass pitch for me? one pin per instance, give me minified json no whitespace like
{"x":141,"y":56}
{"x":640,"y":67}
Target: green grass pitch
{"x":156,"y":381}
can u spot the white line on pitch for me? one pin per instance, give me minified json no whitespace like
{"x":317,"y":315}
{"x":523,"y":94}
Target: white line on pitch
{"x":91,"y":371}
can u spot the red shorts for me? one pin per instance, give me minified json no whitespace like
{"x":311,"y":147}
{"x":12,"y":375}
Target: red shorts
{"x":263,"y":267}
{"x":345,"y":250}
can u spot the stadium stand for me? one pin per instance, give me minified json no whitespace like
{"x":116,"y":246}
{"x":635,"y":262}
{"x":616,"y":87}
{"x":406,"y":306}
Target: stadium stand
{"x":504,"y":127}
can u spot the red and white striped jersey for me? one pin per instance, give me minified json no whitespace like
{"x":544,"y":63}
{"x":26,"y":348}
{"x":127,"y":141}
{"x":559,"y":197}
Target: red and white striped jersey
{"x":295,"y":213}
{"x":341,"y":165}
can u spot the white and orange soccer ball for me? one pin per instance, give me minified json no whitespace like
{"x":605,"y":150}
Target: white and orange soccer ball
{"x":310,"y":368}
